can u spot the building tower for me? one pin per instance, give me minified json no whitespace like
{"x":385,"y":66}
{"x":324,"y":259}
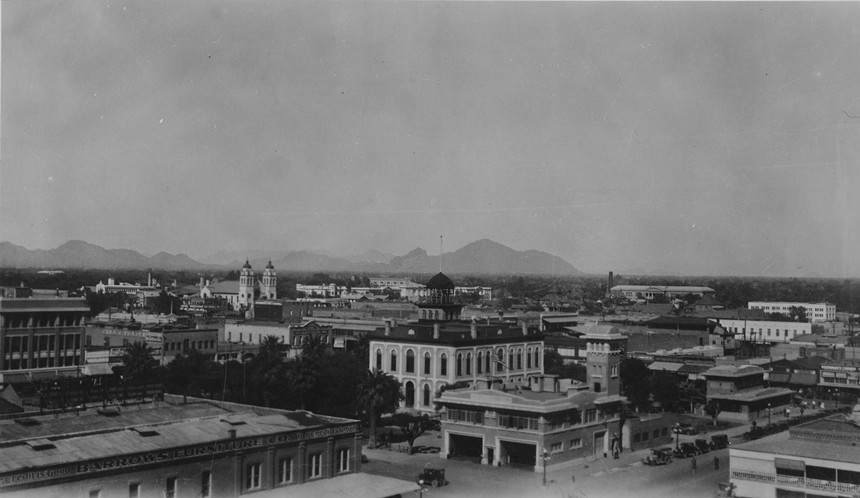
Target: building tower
{"x":439,"y":305}
{"x":604,"y":349}
{"x":268,"y":289}
{"x":246,"y":286}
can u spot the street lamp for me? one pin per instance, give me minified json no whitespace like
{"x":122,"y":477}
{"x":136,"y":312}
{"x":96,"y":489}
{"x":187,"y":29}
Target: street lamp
{"x":544,"y":457}
{"x":768,"y":414}
{"x":421,"y":488}
{"x":677,"y":431}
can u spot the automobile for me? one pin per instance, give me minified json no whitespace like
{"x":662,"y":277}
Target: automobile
{"x":432,"y":475}
{"x":685,"y":429}
{"x":702,"y":445}
{"x":719,"y":441}
{"x":658,"y":456}
{"x":685,"y":450}
{"x":364,"y":459}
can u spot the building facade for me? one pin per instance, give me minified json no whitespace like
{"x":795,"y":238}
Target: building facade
{"x":41,"y":337}
{"x":815,"y":459}
{"x":741,"y":393}
{"x":650,"y":292}
{"x":765,"y":330}
{"x":815,"y":312}
{"x":175,"y":448}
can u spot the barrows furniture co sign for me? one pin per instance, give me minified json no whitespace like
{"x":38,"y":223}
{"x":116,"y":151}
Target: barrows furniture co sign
{"x":167,"y":455}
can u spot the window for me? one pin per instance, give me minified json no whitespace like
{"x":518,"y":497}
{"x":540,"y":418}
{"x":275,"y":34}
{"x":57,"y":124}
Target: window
{"x":426,"y":363}
{"x":379,"y":359}
{"x":170,"y":487}
{"x":459,"y":365}
{"x":343,"y":460}
{"x":426,"y":392}
{"x":519,"y":359}
{"x":285,"y":470}
{"x":133,"y":490}
{"x":537,"y":357}
{"x":555,"y":448}
{"x":206,"y":483}
{"x":443,"y":365}
{"x":410,"y":361}
{"x":500,"y":360}
{"x":615,"y":370}
{"x":480,"y":362}
{"x":252,"y":476}
{"x":529,"y":358}
{"x":575,"y":443}
{"x":468,"y":363}
{"x":393,"y":361}
{"x":315,"y":467}
{"x":637,"y":437}
{"x":590,"y":416}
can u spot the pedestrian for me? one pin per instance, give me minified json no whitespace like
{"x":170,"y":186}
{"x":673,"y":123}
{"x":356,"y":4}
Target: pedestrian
{"x":693,"y":464}
{"x":822,"y":405}
{"x":573,"y":478}
{"x":788,"y":413}
{"x":716,"y":463}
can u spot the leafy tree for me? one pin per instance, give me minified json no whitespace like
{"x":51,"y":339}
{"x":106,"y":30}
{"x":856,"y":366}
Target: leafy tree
{"x":664,"y":390}
{"x":164,"y":303}
{"x":635,"y":382}
{"x":138,"y":361}
{"x":301,"y":377}
{"x":797,"y":313}
{"x":411,"y":425}
{"x":713,"y":409}
{"x":315,"y":346}
{"x":554,"y":365}
{"x":185,"y":372}
{"x":378,"y":393}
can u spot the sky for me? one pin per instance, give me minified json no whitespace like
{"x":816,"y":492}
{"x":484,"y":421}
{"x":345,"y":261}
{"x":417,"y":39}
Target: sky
{"x":691,"y":138}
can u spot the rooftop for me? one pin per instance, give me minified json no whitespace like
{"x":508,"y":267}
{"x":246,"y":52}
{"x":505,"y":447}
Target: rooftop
{"x":52,"y":304}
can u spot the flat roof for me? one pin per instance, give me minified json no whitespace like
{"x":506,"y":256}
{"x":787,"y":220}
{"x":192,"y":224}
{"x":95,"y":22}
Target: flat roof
{"x":87,"y":440}
{"x":356,"y":485}
{"x":35,"y":304}
{"x":801,"y":442}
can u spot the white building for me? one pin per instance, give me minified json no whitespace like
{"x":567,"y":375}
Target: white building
{"x":816,"y":459}
{"x":815,"y":312}
{"x":242,"y":294}
{"x":649,"y":292}
{"x":765,"y":330}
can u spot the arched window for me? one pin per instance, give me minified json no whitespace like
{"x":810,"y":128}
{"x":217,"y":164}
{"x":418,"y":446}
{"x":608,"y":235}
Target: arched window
{"x":519,"y":359}
{"x":410,"y":361}
{"x":500,"y":360}
{"x":410,"y":394}
{"x":379,"y":359}
{"x":393,"y":360}
{"x":529,"y":358}
{"x":443,"y":365}
{"x":480,"y":362}
{"x":459,"y":365}
{"x":426,"y":363}
{"x":426,"y":400}
{"x":468,"y":363}
{"x":487,"y":361}
{"x":511,"y":360}
{"x":537,"y":357}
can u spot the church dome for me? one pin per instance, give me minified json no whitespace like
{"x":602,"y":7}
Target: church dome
{"x":247,"y":265}
{"x":269,"y":266}
{"x":440,"y":281}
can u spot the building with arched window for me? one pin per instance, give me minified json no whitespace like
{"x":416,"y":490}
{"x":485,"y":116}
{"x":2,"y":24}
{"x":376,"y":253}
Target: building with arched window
{"x":450,"y":350}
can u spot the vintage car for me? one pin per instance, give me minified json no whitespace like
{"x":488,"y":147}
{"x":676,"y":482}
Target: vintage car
{"x":682,"y":428}
{"x":434,"y":476}
{"x":658,"y":456}
{"x":702,"y":445}
{"x":719,"y":441}
{"x":685,"y":450}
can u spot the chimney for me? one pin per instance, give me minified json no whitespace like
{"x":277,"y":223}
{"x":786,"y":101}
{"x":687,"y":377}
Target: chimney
{"x":525,"y":327}
{"x":201,"y":282}
{"x":474,"y":330}
{"x":436,"y":330}
{"x":611,"y":282}
{"x":387,"y":327}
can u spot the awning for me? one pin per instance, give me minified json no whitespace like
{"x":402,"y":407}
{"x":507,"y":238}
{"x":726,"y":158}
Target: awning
{"x":665,"y":366}
{"x":357,"y":485}
{"x":97,"y":369}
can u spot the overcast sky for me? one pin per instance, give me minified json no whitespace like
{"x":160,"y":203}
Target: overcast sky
{"x":698,"y":138}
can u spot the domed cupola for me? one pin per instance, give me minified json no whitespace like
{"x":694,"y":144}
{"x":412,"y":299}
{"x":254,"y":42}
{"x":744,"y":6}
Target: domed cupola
{"x":439,"y":304}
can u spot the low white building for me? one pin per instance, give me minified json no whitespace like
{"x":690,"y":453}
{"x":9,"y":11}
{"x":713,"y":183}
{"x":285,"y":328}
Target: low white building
{"x":649,"y":292}
{"x":816,"y":459}
{"x":815,"y":312}
{"x":765,"y":330}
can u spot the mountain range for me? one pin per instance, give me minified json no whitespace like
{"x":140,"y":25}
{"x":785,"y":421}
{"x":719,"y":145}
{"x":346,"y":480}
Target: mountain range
{"x":479,"y":257}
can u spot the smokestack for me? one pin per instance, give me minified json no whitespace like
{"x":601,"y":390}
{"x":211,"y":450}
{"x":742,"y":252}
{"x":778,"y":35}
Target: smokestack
{"x":436,"y":330}
{"x":611,"y":281}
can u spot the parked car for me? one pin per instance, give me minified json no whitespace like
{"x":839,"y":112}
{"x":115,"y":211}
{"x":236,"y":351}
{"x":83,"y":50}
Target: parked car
{"x":685,"y":429}
{"x":432,"y":476}
{"x":658,"y":456}
{"x":685,"y":450}
{"x":719,"y":441}
{"x":702,"y":445}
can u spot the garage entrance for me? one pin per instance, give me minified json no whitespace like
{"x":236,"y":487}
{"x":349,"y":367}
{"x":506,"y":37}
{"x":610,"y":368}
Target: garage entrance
{"x":465,"y":447}
{"x":514,"y":453}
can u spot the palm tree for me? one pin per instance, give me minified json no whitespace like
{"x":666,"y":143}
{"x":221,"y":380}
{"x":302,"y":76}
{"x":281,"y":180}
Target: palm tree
{"x":271,"y":347}
{"x":315,"y":346}
{"x":379,"y":393}
{"x":137,"y":360}
{"x":302,"y":376}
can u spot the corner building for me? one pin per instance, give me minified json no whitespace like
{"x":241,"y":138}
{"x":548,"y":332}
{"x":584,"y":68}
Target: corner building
{"x":172,"y":448}
{"x":441,"y":349}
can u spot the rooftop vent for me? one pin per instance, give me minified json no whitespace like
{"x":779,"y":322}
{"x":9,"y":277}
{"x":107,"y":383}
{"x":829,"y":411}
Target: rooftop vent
{"x":234,"y":422}
{"x":146,"y":433}
{"x":40,"y":444}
